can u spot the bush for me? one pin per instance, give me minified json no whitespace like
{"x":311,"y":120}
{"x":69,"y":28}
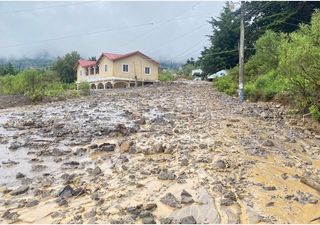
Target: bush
{"x":166,"y":76}
{"x":84,"y":88}
{"x":315,"y":113}
{"x":35,"y":84}
{"x":226,"y":84}
{"x":266,"y":87}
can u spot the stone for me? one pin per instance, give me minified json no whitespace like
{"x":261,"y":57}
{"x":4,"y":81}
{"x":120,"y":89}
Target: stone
{"x":186,"y":198}
{"x":188,"y":220}
{"x":220,"y":164}
{"x":269,"y":188}
{"x":20,"y":190}
{"x":268,"y":143}
{"x":125,"y":146}
{"x":20,"y":175}
{"x":166,"y":175}
{"x":107,"y":147}
{"x":170,"y":200}
{"x":32,"y":203}
{"x":66,"y":192}
{"x":141,"y":121}
{"x":150,"y":206}
{"x":61,"y":201}
{"x":96,"y":171}
{"x":15,"y":146}
{"x":184,"y":162}
{"x":166,"y":220}
{"x":148,"y":220}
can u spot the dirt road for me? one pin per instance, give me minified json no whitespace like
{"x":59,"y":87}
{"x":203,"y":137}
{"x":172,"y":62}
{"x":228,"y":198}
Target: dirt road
{"x":175,"y":153}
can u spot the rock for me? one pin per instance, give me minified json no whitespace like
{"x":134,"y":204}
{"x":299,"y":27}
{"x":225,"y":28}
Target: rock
{"x":220,"y":164}
{"x":150,"y":206}
{"x":106,"y":147}
{"x":61,"y":201}
{"x":13,"y":216}
{"x":66,"y":192}
{"x":125,"y":146}
{"x":159,"y":148}
{"x":72,"y":163}
{"x":166,"y":175}
{"x":90,"y":214}
{"x":15,"y":146}
{"x":226,"y":202}
{"x":167,"y":220}
{"x":38,"y":168}
{"x":184,"y":162}
{"x":96,"y":171}
{"x":171,"y":200}
{"x":135,"y":210}
{"x":186,"y":198}
{"x":20,"y":175}
{"x":20,"y":190}
{"x":141,"y":121}
{"x":148,"y":220}
{"x":269,"y":188}
{"x":188,"y":220}
{"x":268,"y":143}
{"x":270,"y":204}
{"x":93,"y":146}
{"x":32,"y":203}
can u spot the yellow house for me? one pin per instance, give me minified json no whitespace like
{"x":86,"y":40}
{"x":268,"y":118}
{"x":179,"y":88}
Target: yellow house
{"x":118,"y":70}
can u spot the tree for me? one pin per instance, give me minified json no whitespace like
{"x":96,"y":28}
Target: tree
{"x":222,"y":52}
{"x":8,"y":69}
{"x":65,"y":67}
{"x":92,"y":58}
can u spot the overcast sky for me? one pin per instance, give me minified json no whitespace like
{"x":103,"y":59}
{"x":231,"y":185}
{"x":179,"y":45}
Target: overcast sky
{"x":163,"y":30}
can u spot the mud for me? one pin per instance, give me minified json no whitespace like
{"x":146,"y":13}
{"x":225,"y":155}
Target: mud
{"x":116,"y":156}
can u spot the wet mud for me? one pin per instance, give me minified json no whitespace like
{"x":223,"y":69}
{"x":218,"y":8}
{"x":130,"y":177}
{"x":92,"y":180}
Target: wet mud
{"x":175,"y":153}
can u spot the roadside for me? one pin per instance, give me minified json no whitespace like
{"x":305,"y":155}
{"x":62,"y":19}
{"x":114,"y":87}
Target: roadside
{"x":178,"y":152}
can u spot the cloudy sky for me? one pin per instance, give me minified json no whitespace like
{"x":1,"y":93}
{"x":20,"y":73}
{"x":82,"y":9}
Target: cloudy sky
{"x":163,"y":30}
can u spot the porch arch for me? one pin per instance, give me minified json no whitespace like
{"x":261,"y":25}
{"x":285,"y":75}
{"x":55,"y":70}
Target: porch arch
{"x":100,"y":86}
{"x":93,"y":86}
{"x":121,"y":84}
{"x":108,"y":85}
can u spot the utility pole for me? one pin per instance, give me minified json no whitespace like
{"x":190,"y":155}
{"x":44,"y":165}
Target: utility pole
{"x":241,"y":54}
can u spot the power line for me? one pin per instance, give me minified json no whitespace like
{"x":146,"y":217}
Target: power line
{"x":43,"y":8}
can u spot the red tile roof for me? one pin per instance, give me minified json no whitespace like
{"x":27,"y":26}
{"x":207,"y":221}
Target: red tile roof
{"x":86,"y":63}
{"x":112,"y":57}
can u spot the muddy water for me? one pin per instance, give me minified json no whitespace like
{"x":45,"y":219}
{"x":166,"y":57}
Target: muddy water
{"x":237,"y":163}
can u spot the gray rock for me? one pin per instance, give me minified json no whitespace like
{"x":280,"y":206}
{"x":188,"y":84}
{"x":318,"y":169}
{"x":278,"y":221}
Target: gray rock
{"x":166,"y":175}
{"x":268,"y":143}
{"x":32,"y":203}
{"x":171,"y":200}
{"x":106,"y":147}
{"x":186,"y":198}
{"x":96,"y":171}
{"x":148,"y":220}
{"x":20,"y":175}
{"x":66,"y":192}
{"x":184,"y":162}
{"x":150,"y":206}
{"x":20,"y":190}
{"x":188,"y":220}
{"x":61,"y":201}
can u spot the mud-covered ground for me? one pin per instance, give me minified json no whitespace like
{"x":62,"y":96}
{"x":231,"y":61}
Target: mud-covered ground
{"x":175,"y":153}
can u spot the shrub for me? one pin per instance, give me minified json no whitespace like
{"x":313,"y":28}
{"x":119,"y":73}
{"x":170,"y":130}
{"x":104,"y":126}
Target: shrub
{"x":226,"y":84}
{"x":84,"y":88}
{"x":166,"y":76}
{"x":315,"y":113}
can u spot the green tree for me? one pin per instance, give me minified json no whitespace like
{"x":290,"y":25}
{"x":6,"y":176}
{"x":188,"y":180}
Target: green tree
{"x":64,"y":66}
{"x":223,"y":42}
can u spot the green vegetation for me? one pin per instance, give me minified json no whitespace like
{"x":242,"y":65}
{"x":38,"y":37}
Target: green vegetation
{"x":64,"y":67}
{"x":36,"y":85}
{"x":166,"y":76}
{"x":285,"y":66}
{"x":84,"y":88}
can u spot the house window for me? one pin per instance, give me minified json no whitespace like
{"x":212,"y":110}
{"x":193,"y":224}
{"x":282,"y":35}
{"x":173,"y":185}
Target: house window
{"x":106,"y":68}
{"x":80,"y":72}
{"x":125,"y":68}
{"x":147,"y":70}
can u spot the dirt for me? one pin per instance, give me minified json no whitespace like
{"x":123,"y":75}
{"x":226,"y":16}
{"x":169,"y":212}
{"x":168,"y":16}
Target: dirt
{"x":180,"y":152}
